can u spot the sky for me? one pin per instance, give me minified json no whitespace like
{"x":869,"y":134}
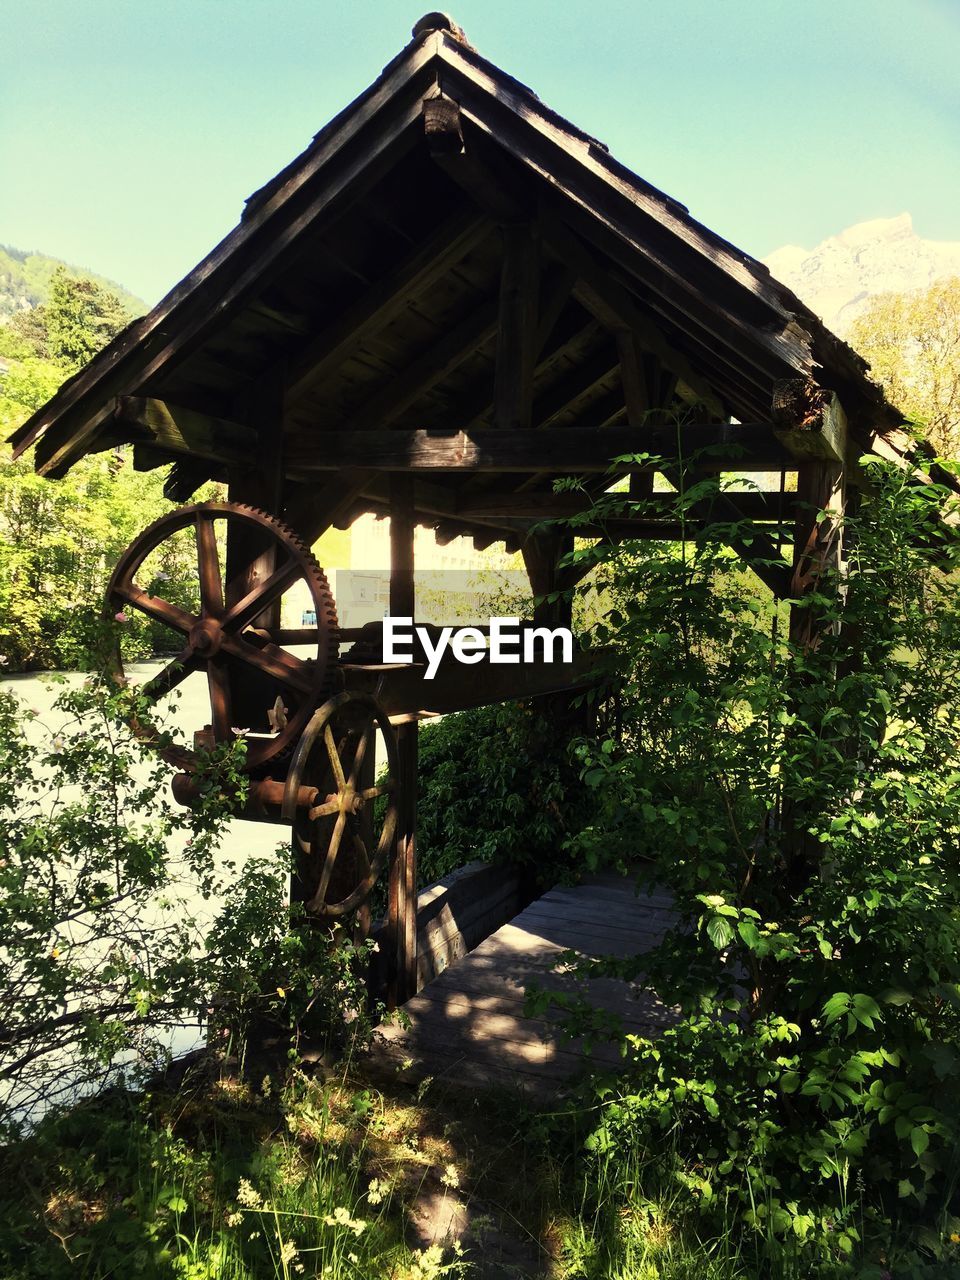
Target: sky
{"x":132,"y":130}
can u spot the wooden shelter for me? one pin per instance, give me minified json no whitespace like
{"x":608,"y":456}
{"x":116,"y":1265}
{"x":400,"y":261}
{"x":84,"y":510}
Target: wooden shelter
{"x":450,"y":298}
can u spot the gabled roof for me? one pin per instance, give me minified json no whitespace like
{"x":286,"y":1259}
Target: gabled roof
{"x":364,"y":280}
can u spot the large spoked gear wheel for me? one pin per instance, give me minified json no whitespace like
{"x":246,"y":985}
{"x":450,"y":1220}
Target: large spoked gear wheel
{"x":228,"y":630}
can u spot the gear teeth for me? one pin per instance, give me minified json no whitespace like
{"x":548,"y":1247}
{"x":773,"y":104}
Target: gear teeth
{"x":328,"y":628}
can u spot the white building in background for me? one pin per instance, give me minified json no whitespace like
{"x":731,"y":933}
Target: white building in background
{"x":357,"y":564}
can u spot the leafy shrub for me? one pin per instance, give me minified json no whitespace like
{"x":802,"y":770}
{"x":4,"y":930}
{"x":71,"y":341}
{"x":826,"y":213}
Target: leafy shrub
{"x":804,"y":807}
{"x":495,"y":784}
{"x":106,"y":894}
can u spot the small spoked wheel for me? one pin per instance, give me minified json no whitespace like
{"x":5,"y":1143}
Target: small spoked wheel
{"x":342,"y":839}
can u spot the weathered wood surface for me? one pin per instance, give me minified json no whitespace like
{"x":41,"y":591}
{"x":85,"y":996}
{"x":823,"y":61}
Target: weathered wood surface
{"x":574,"y":449}
{"x":469,"y":1025}
{"x":403,"y":688}
{"x":456,"y":914}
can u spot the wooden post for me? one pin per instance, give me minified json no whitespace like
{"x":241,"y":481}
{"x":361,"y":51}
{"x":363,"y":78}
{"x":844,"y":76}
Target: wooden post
{"x":817,"y":547}
{"x":517,"y":328}
{"x":637,"y":397}
{"x":817,"y":567}
{"x":542,"y":552}
{"x":249,"y":560}
{"x":402,"y":917}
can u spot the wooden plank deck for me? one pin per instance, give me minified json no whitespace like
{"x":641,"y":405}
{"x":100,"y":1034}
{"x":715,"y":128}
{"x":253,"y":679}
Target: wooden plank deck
{"x":469,"y":1024}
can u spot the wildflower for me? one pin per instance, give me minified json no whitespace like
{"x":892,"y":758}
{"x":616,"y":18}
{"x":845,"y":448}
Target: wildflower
{"x":120,"y":616}
{"x":341,"y":1218}
{"x":58,"y":743}
{"x":450,"y":1176}
{"x":288,"y":1251}
{"x":234,"y":1219}
{"x":954,"y":1238}
{"x":376,"y":1191}
{"x":281,"y":992}
{"x":54,"y":953}
{"x":248,"y":1196}
{"x":426,"y":1263}
{"x":266,"y":1086}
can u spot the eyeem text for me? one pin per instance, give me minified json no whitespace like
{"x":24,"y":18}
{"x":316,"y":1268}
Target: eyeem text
{"x":509,"y":642}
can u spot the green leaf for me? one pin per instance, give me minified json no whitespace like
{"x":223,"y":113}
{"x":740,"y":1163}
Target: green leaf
{"x":836,"y":1006}
{"x":919,"y":1140}
{"x":749,"y":933}
{"x":720,"y":932}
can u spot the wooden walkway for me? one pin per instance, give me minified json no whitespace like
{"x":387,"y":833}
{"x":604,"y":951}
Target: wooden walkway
{"x":469,"y":1024}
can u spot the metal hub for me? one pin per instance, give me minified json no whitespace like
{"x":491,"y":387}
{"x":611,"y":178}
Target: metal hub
{"x":205,"y":637}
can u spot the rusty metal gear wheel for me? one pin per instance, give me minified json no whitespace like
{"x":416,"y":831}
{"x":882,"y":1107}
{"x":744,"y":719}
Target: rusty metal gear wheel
{"x":256,"y":686}
{"x":342,"y":842}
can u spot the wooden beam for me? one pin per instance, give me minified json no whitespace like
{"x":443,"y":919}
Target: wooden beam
{"x":402,"y":587}
{"x":809,"y":421}
{"x":456,"y":687}
{"x":542,"y":551}
{"x":638,"y":396}
{"x":517,"y":328}
{"x":563,"y":450}
{"x":250,"y":555}
{"x":754,"y":504}
{"x":384,"y":301}
{"x":184,"y":431}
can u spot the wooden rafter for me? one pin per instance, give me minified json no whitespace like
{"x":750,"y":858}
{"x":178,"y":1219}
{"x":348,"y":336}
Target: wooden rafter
{"x":423,"y":373}
{"x":383,"y":302}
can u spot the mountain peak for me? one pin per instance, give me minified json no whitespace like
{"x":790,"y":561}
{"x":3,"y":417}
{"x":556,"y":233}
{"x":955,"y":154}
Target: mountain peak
{"x":882,"y":255}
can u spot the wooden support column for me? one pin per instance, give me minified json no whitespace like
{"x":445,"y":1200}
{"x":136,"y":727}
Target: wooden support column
{"x":402,"y":918}
{"x":542,"y":552}
{"x":817,"y":566}
{"x":249,"y":554}
{"x":637,"y":396}
{"x":817,"y":547}
{"x":517,"y":328}
{"x":813,"y":425}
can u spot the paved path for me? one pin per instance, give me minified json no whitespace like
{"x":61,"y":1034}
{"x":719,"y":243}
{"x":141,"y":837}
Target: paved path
{"x":469,"y":1024}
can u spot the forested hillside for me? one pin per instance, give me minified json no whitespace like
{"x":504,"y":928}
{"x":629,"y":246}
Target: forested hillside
{"x":26,"y":279}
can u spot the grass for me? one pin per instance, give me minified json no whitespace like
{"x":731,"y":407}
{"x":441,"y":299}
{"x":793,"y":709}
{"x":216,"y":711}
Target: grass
{"x":229,"y":1180}
{"x":234,"y":1181}
{"x":221,"y":1181}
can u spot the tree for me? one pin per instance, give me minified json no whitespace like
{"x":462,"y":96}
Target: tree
{"x":80,"y":318}
{"x":912,"y":341}
{"x":60,"y":539}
